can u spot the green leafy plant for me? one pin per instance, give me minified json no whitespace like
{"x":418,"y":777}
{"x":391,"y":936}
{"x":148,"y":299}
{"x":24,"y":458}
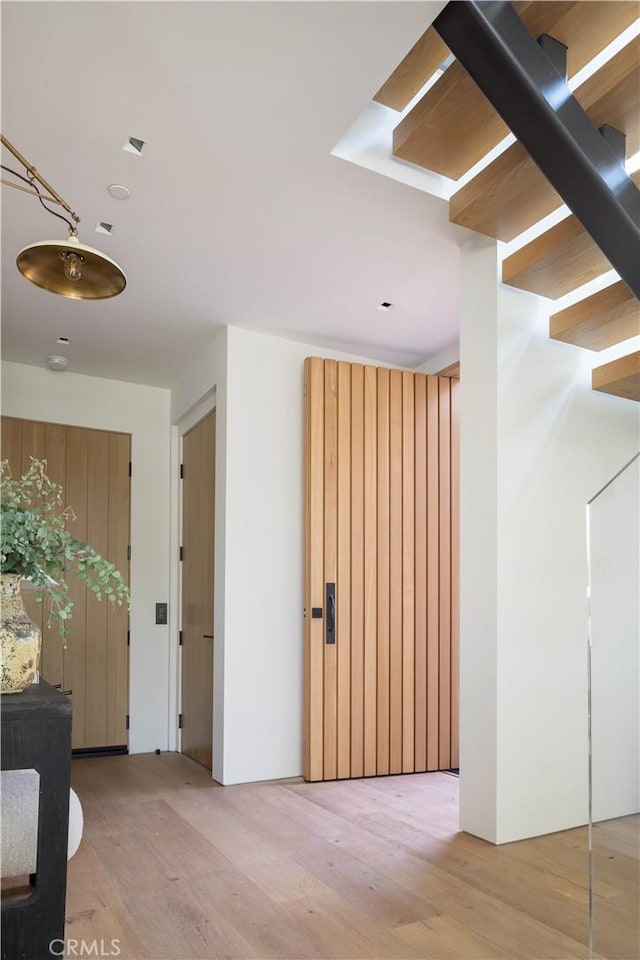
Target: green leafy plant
{"x":35,"y":545}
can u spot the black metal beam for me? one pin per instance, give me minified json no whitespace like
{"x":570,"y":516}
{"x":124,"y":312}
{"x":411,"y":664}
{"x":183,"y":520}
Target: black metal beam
{"x":519,"y":79}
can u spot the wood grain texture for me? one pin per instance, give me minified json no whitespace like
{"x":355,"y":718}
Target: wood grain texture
{"x":420,"y":572}
{"x":454,"y":125}
{"x":343,"y":584}
{"x":444,"y":468}
{"x":78,"y":648}
{"x":92,"y":466}
{"x":117,"y":615}
{"x":370,"y":571}
{"x":558,"y":261}
{"x":197,"y":589}
{"x":408,"y":572}
{"x":395,"y":572}
{"x":330,"y":735}
{"x":511,"y":193}
{"x":383,"y":675}
{"x":413,"y":71}
{"x":384,"y":691}
{"x":96,"y":613}
{"x":600,"y":320}
{"x":357,"y":570}
{"x":370,"y":868}
{"x":433,"y":573}
{"x":620,"y":377}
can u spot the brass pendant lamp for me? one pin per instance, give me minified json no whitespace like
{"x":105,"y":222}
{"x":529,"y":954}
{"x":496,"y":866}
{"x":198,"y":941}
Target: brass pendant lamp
{"x":66,"y":267}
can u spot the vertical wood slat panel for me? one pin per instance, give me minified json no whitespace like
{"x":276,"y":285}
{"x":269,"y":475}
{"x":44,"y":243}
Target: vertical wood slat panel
{"x":117,"y":616}
{"x":52,"y":658}
{"x":408,"y":572}
{"x":343,"y":583}
{"x":33,"y":445}
{"x":314,"y":592}
{"x":444,"y":414}
{"x":455,"y":572}
{"x":330,"y":562}
{"x":395,"y":572}
{"x":383,"y":572}
{"x":357,"y":570}
{"x":370,"y":571}
{"x":420,"y":581}
{"x":11,"y":444}
{"x":79,"y":643}
{"x":390,"y":457}
{"x":433,"y":574}
{"x":97,"y":633}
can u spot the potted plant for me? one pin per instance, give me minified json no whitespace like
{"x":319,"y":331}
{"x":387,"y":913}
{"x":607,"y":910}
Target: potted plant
{"x":36,"y":546}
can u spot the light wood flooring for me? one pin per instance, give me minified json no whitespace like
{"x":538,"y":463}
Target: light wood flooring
{"x":175,"y":866}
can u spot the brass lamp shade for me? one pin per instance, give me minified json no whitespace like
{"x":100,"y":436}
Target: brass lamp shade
{"x":43,"y":263}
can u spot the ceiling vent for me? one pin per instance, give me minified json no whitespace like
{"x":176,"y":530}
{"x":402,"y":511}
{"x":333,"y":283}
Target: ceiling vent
{"x":135,"y":145}
{"x":57,"y":364}
{"x":102,"y":227}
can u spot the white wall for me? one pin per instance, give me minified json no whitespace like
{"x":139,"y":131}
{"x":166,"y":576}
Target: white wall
{"x":614,"y":534}
{"x":259,"y":579}
{"x":530,"y":463}
{"x":35,"y":393}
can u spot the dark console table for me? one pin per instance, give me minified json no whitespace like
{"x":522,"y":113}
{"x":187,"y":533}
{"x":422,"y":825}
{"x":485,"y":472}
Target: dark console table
{"x":36,"y":734}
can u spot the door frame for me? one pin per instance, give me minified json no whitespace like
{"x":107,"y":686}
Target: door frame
{"x":202,"y":408}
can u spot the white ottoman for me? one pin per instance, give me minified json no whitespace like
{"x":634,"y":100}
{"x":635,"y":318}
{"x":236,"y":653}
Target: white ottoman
{"x":19,"y":821}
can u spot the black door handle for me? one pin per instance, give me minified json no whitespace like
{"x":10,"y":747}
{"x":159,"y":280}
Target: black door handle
{"x":330,"y":630}
{"x":207,"y":636}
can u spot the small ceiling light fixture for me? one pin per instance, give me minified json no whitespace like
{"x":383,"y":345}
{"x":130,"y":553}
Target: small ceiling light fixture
{"x":118,"y":191}
{"x":66,"y":267}
{"x":57,"y":364}
{"x":135,"y":145}
{"x":384,"y":306}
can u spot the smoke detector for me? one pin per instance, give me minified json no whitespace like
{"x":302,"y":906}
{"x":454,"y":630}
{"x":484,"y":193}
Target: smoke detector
{"x":57,"y":364}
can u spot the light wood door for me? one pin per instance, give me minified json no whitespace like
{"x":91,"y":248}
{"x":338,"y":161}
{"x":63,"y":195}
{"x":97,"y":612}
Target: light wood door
{"x":93,"y":467}
{"x":381,"y":571}
{"x":198,"y":529}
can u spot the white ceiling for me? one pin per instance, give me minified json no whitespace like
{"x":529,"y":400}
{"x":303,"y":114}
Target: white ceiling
{"x":238,"y":213}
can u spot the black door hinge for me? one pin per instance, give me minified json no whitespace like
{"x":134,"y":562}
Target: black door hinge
{"x":129,"y":467}
{"x":182,"y":553}
{"x":129,"y":551}
{"x":179,"y":638}
{"x":179,"y":721}
{"x":128,"y":638}
{"x":182,"y":471}
{"x":127,"y":721}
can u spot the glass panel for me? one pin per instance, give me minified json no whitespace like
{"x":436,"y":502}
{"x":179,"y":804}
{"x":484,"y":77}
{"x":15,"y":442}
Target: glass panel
{"x":613,"y":523}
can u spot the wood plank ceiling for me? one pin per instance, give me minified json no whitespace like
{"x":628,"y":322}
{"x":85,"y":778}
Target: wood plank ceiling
{"x":453,"y":126}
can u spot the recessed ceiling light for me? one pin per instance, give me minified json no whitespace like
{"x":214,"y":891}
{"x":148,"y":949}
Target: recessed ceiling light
{"x":385,"y":305}
{"x":118,"y":191}
{"x":63,"y":340}
{"x":135,"y":145}
{"x":102,"y":227}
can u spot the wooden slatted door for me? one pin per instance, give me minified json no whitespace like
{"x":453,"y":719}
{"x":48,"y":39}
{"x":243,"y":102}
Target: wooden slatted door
{"x":93,"y":468}
{"x":198,"y":528}
{"x":381,"y":571}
